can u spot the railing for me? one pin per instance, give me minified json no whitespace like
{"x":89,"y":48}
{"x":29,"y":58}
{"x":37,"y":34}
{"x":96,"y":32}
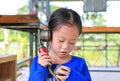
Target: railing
{"x":31,"y":23}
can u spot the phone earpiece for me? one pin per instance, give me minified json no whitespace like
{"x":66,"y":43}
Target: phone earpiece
{"x":45,"y":35}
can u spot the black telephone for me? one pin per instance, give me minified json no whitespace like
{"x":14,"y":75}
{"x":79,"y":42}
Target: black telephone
{"x":45,"y":35}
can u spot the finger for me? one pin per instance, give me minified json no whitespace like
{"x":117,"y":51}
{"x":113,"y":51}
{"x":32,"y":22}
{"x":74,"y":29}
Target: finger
{"x":45,"y":62}
{"x":48,"y":60}
{"x":62,"y":78}
{"x":65,"y":68}
{"x":44,"y":57}
{"x":62,"y":72}
{"x":42,"y":54}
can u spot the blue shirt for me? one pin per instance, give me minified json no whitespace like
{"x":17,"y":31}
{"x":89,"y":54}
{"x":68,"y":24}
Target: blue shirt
{"x":79,"y":70}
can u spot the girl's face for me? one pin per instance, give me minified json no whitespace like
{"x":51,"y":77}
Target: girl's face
{"x":63,"y":40}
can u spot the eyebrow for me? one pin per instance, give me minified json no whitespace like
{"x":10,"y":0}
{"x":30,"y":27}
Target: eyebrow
{"x":70,"y":39}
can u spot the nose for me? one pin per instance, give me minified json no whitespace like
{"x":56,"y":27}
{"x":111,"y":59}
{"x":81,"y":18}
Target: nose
{"x":65,"y":46}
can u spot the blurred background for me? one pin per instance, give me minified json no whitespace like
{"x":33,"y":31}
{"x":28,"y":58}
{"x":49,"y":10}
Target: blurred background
{"x":100,"y":48}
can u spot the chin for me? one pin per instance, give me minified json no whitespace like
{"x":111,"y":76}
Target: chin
{"x":63,"y":55}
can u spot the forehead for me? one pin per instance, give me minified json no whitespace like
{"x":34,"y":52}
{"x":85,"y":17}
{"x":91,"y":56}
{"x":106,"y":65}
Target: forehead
{"x":67,"y":27}
{"x":67,"y":30}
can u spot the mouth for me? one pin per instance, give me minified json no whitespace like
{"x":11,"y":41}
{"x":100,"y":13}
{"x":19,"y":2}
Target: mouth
{"x":63,"y":53}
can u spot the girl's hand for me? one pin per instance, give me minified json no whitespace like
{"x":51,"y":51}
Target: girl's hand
{"x":62,"y":72}
{"x":44,"y":59}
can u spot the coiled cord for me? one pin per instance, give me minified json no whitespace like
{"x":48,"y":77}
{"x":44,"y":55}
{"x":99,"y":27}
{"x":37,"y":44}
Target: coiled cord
{"x":52,"y":73}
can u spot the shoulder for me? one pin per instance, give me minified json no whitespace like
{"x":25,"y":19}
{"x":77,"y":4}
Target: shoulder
{"x":35,"y":63}
{"x":35,"y":59}
{"x":79,"y":63}
{"x":79,"y":59}
{"x":76,"y":61}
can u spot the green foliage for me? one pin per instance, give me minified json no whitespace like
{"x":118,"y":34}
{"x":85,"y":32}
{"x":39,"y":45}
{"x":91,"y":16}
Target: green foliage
{"x":94,"y":50}
{"x":24,"y":9}
{"x":95,"y":18}
{"x":14,"y":35}
{"x":53,"y":8}
{"x":1,"y":35}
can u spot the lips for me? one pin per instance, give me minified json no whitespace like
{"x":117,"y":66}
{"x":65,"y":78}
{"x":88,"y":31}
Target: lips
{"x":63,"y":52}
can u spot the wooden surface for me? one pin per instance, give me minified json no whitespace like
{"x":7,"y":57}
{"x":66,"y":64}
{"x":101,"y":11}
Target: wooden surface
{"x":7,"y":67}
{"x":31,"y":23}
{"x":19,"y":20}
{"x":101,"y":29}
{"x":28,"y":18}
{"x":27,"y":22}
{"x":7,"y":58}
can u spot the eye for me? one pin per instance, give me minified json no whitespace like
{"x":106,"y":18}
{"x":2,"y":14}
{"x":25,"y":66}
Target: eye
{"x":61,"y":40}
{"x":72,"y":42}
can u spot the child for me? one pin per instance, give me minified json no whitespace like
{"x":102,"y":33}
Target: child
{"x":65,"y":26}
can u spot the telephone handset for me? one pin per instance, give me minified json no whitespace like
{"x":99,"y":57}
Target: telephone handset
{"x":45,"y":35}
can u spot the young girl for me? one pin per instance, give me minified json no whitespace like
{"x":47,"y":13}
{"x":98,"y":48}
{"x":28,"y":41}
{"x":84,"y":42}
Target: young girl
{"x":65,"y":26}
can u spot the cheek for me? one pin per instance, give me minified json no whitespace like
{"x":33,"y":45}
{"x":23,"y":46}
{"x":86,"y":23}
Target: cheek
{"x":55,"y":45}
{"x":72,"y":47}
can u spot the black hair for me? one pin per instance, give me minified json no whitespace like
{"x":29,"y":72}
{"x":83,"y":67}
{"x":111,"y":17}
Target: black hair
{"x":64,"y":16}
